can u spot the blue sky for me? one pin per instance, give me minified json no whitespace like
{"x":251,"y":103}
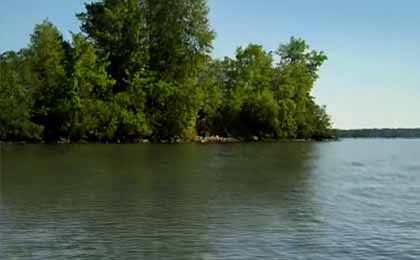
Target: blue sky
{"x":372,"y":77}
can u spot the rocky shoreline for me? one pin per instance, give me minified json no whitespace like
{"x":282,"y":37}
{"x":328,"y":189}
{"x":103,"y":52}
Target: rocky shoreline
{"x":225,"y":140}
{"x":177,"y":140}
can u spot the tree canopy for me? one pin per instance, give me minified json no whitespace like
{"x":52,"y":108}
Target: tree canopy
{"x":143,"y":69}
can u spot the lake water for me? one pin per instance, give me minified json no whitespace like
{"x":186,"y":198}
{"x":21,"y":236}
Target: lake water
{"x":354,"y":199}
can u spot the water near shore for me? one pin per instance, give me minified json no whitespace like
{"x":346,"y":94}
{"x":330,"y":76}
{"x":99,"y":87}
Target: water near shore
{"x":354,"y":199}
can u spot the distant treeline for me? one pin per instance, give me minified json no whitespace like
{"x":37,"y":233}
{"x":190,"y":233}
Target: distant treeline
{"x":142,"y":69}
{"x":379,"y":133}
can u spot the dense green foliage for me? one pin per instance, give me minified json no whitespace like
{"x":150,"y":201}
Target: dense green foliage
{"x":380,"y":133}
{"x":142,"y":69}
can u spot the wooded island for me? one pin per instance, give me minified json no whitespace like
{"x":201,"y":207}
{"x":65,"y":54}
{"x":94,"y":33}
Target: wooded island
{"x":141,"y":69}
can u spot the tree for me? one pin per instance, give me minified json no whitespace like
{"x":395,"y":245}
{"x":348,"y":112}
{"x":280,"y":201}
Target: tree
{"x":254,"y":69}
{"x":297,"y":72}
{"x":164,"y":43}
{"x":171,"y":109}
{"x":15,"y":103}
{"x":246,"y":82}
{"x":211,"y":80}
{"x":179,"y":38}
{"x":259,"y":116}
{"x":179,"y":43}
{"x":118,"y":29}
{"x":322,"y":126}
{"x":46,"y":56}
{"x":90,"y":88}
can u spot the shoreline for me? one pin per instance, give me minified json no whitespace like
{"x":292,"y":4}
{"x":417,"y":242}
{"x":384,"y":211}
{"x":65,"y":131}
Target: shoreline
{"x":196,"y":140}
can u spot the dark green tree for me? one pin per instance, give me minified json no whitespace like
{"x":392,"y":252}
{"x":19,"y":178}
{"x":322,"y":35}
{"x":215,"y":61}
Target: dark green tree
{"x":246,"y":81}
{"x":48,"y":84}
{"x":179,"y":38}
{"x":179,"y":41}
{"x":211,"y":84}
{"x":90,"y":88}
{"x":118,"y":29}
{"x":15,"y":101}
{"x":259,"y":116}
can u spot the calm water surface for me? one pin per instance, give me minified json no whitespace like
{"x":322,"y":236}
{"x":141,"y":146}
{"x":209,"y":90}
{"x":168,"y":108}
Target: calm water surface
{"x":354,"y":199}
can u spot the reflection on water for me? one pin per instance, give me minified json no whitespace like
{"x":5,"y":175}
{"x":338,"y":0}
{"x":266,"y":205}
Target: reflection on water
{"x":343,"y":200}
